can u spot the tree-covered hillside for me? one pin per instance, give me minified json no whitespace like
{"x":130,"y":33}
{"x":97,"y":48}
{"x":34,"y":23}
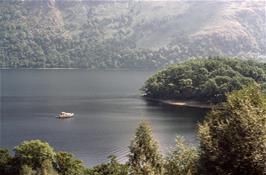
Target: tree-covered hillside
{"x":205,"y":79}
{"x":126,"y":34}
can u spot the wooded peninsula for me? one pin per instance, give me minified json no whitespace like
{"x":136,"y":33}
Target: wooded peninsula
{"x":204,"y":80}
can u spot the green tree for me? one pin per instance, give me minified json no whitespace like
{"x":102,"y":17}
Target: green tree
{"x":47,"y":168}
{"x":68,"y":165}
{"x":182,"y":160}
{"x":233,"y":136}
{"x":5,"y":161}
{"x":27,"y":170}
{"x":111,"y":168}
{"x":33,"y":153}
{"x":144,"y":157}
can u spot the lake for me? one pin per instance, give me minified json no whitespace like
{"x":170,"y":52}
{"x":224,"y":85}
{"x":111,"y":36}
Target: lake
{"x":107,"y":107}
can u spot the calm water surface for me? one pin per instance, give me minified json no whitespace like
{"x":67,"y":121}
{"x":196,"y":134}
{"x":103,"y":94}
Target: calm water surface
{"x":107,"y":110}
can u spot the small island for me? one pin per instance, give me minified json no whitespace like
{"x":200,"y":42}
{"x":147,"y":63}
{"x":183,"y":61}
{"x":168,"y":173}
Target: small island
{"x":203,"y":81}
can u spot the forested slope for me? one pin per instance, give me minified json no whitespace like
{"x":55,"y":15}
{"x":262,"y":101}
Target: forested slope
{"x":126,"y":34}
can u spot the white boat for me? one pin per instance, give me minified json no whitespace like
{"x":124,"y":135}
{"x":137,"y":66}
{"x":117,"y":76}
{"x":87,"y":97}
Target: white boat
{"x":65,"y":115}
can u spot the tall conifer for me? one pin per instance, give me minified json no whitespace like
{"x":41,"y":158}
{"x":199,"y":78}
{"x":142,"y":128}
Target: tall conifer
{"x":144,"y":157}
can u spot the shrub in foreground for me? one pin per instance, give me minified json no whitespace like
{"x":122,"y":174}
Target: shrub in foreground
{"x":111,"y":168}
{"x":68,"y":165}
{"x":5,"y":161}
{"x":233,"y":137}
{"x":33,"y":153}
{"x":182,"y":160}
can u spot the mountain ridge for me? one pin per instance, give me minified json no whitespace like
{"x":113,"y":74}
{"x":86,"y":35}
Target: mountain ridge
{"x":125,"y":34}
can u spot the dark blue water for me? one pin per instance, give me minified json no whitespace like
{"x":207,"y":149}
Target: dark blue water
{"x":107,"y":110}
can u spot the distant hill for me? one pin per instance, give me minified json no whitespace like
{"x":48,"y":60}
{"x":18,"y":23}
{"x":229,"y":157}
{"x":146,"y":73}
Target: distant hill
{"x":127,"y":34}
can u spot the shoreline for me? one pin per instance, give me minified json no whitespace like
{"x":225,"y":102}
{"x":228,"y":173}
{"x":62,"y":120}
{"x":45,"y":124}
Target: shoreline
{"x":194,"y":104}
{"x":186,"y":103}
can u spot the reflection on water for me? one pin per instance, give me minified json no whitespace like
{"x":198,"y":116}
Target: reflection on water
{"x":106,"y":106}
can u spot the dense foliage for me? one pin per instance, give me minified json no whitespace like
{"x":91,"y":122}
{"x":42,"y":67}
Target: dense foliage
{"x":182,"y":159}
{"x":87,"y":34}
{"x":205,"y":79}
{"x":67,"y":164}
{"x":24,"y":44}
{"x":39,"y":158}
{"x":233,"y":136}
{"x":5,"y":161}
{"x":34,"y":153}
{"x":111,"y":168}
